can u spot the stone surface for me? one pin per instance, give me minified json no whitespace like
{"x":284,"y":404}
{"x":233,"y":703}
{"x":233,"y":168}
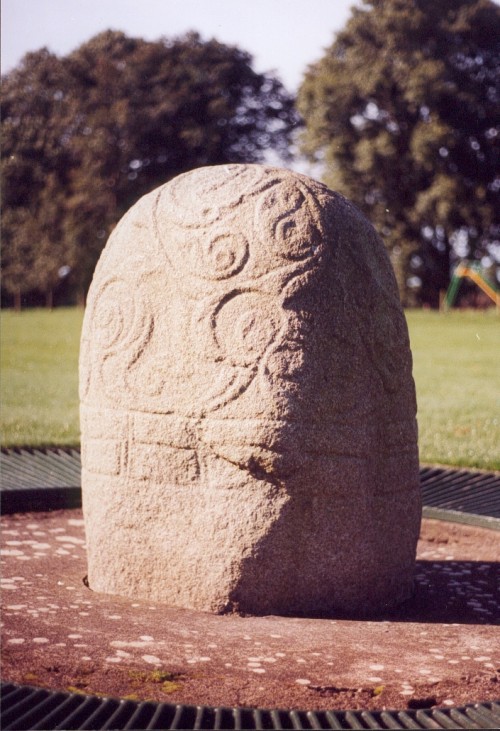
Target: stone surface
{"x":249,"y":438}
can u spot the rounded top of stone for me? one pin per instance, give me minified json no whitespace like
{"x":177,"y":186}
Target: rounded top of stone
{"x":230,"y":218}
{"x":242,"y":288}
{"x":206,"y":192}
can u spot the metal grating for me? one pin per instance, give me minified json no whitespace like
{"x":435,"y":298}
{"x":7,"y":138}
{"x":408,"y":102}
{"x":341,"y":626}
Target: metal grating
{"x":40,"y":479}
{"x":461,"y":490}
{"x":24,"y":707}
{"x":49,"y":478}
{"x":27,"y":468}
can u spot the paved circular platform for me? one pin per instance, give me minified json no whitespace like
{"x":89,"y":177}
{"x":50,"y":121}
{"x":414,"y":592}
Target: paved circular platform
{"x":441,"y":648}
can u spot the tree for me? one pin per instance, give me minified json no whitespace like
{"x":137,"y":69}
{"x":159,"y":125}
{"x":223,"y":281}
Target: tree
{"x":108,"y":123}
{"x":402,"y":113}
{"x":34,"y":173}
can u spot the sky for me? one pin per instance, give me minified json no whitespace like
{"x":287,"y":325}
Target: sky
{"x":283,"y":36}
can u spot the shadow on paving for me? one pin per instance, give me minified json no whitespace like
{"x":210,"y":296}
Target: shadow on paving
{"x":447,"y":592}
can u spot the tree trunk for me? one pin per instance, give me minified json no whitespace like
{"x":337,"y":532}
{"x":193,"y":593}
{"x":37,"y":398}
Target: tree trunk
{"x":49,"y":299}
{"x":17,"y":300}
{"x":80,"y":297}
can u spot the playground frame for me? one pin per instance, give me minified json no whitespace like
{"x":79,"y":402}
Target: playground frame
{"x":474,"y":272}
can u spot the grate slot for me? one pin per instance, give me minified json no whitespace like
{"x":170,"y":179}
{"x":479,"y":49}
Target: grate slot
{"x":278,"y":719}
{"x":246,"y":718}
{"x":465,"y":490}
{"x":403,"y":720}
{"x":444,"y":719}
{"x":424,"y":718}
{"x":34,"y":710}
{"x":161,"y":718}
{"x":485,"y":507}
{"x":370,"y":720}
{"x":456,"y":477}
{"x":205,"y":717}
{"x":352,"y":719}
{"x":481,"y":718}
{"x":333,"y":720}
{"x":58,"y":471}
{"x":199,"y":717}
{"x":121,"y":715}
{"x":12,"y":694}
{"x":37,"y":468}
{"x":482,"y":496}
{"x":295,"y":718}
{"x":60,"y":713}
{"x":101,"y":714}
{"x":313,"y":720}
{"x":142,"y":716}
{"x":263,"y":720}
{"x":20,"y":472}
{"x":79,"y":716}
{"x":444,"y":477}
{"x":459,"y":718}
{"x":467,"y":484}
{"x":33,"y":697}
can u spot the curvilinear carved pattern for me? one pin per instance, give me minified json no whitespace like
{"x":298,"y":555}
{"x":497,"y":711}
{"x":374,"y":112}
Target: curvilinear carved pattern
{"x":234,"y":290}
{"x":228,"y":253}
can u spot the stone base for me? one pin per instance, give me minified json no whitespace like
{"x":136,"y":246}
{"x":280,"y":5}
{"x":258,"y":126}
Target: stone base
{"x":255,"y":549}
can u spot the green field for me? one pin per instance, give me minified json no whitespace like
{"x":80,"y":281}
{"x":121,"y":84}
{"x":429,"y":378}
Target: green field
{"x":456,"y":368}
{"x":39,"y":376}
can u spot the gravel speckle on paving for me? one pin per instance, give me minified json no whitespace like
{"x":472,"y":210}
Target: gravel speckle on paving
{"x":441,"y":648}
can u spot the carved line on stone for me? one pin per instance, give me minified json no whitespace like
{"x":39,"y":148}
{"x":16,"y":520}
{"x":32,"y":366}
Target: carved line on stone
{"x":277,"y":338}
{"x":305,"y":197}
{"x":387,"y":348}
{"x":137,"y":461}
{"x":126,"y":324}
{"x":85,"y":367}
{"x":265,"y":320}
{"x":330,"y":440}
{"x":239,"y":384}
{"x":239,"y":254}
{"x":210,"y":215}
{"x":184,"y":430}
{"x":295,"y":274}
{"x":125,"y":445}
{"x":156,"y":228}
{"x":283,"y":225}
{"x":134,"y":328}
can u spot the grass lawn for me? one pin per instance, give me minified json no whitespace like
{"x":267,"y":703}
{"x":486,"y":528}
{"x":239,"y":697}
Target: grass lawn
{"x":456,"y":369}
{"x":456,"y":366}
{"x":39,"y":376}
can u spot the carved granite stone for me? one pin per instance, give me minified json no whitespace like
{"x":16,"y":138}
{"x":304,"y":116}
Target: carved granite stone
{"x":249,"y":439}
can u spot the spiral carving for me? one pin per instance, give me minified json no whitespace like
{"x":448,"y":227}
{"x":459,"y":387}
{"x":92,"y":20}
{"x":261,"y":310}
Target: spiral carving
{"x":223,"y":256}
{"x":244,"y":326}
{"x":289,"y":218}
{"x":120,"y":319}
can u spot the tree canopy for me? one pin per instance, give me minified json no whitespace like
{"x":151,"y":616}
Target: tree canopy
{"x":402,"y":114}
{"x":85,"y":135}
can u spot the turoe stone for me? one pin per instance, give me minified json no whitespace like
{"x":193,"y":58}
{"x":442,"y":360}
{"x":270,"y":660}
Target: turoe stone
{"x":249,"y":440}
